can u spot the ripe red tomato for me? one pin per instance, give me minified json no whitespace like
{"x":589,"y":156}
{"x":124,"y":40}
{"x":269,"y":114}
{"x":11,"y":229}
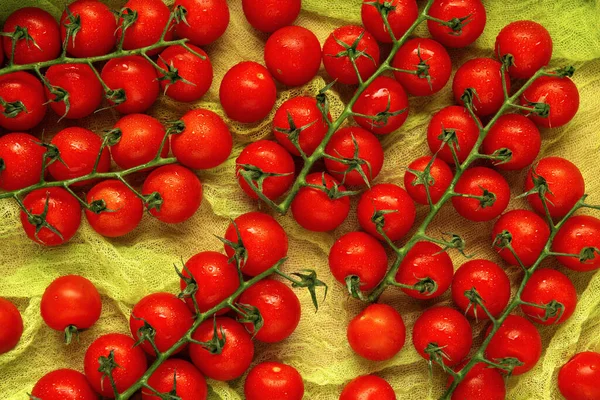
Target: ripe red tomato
{"x":384,"y":96}
{"x":43,"y":30}
{"x":96,"y":36}
{"x":63,"y":384}
{"x":269,"y":15}
{"x":565,"y":186}
{"x":124,"y":209}
{"x":341,"y":68}
{"x":491,"y":283}
{"x":433,"y":56}
{"x":137,"y":77}
{"x":516,"y":133}
{"x":265,"y":241}
{"x":70,"y":303}
{"x":544,"y":286}
{"x":293,"y":55}
{"x":12,"y":323}
{"x":441,"y":177}
{"x":25,"y":88}
{"x":21,"y":157}
{"x":269,"y":157}
{"x":63,"y":215}
{"x":387,"y":197}
{"x":458,"y":120}
{"x":236,"y":355}
{"x":152,"y":18}
{"x":205,"y":141}
{"x":180,"y":191}
{"x":191,"y":385}
{"x":529,"y":234}
{"x":368,"y":387}
{"x":483,"y":75}
{"x":578,"y":378}
{"x":197,"y":72}
{"x":560,"y":94}
{"x":342,"y":145}
{"x":278,"y":306}
{"x":480,"y":383}
{"x":485,"y":182}
{"x":78,"y":148}
{"x":141,"y":136}
{"x":516,"y":338}
{"x":358,"y":254}
{"x":330,"y":213}
{"x":473,"y":13}
{"x":377,"y":333}
{"x":83,"y":87}
{"x":273,"y":381}
{"x":247,"y":92}
{"x":404,"y":14}
{"x":425,"y":260}
{"x":206,"y":20}
{"x":130,"y":359}
{"x":167,"y":314}
{"x":578,"y":233}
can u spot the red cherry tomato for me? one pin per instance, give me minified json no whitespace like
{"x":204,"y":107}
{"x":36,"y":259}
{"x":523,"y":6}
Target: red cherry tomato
{"x":485,"y":182}
{"x":452,"y":119}
{"x":544,"y":286}
{"x":152,"y":18}
{"x":578,"y":233}
{"x":191,"y":385}
{"x":12,"y":326}
{"x":84,"y":90}
{"x":25,"y":88}
{"x":472,"y":12}
{"x":141,"y":136}
{"x":377,"y":333}
{"x":578,"y":378}
{"x":197,"y":72}
{"x":404,"y":14}
{"x":441,"y":177}
{"x":383,"y":97}
{"x":206,"y":20}
{"x":270,"y":15}
{"x":96,"y":36}
{"x":368,"y":387}
{"x":63,"y":384}
{"x":273,"y":381}
{"x":480,"y":383}
{"x":21,"y":157}
{"x":560,"y":94}
{"x":529,"y":234}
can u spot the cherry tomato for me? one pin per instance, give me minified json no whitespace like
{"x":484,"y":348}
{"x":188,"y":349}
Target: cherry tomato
{"x":206,"y":20}
{"x":578,"y":378}
{"x":152,"y":18}
{"x":544,"y":286}
{"x":516,"y":133}
{"x":63,"y":215}
{"x":341,"y":68}
{"x":269,"y":157}
{"x":270,"y":15}
{"x":84,"y":90}
{"x":25,"y":88}
{"x":401,"y":18}
{"x":516,"y":338}
{"x":273,"y":381}
{"x":205,"y":141}
{"x":377,"y":333}
{"x":529,"y":234}
{"x":425,"y":55}
{"x":491,"y":283}
{"x":196,"y":72}
{"x":565,"y":186}
{"x":96,"y":35}
{"x":342,"y":145}
{"x":332,"y":210}
{"x":130,"y":359}
{"x":560,"y":94}
{"x":43,"y":30}
{"x":578,"y":233}
{"x":180,"y":193}
{"x":368,"y":387}
{"x":141,"y":136}
{"x":236,"y":355}
{"x":480,"y":383}
{"x":445,"y":328}
{"x":265,"y":242}
{"x":63,"y":384}
{"x":441,"y":177}
{"x":12,"y":326}
{"x":137,"y":78}
{"x":386,"y":98}
{"x":423,"y":263}
{"x":358,"y":254}
{"x":21,"y":157}
{"x":452,"y":119}
{"x":484,"y":182}
{"x":278,"y":306}
{"x":293,"y":55}
{"x":191,"y":385}
{"x":247,"y":92}
{"x":472,"y":12}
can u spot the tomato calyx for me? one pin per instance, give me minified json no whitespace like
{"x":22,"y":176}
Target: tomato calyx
{"x":353,"y":285}
{"x":153,"y":201}
{"x":449,"y":138}
{"x":455,"y":24}
{"x":507,"y":364}
{"x":146,"y":333}
{"x":436,"y":355}
{"x":60,"y":95}
{"x":501,"y":156}
{"x":107,"y":366}
{"x":588,"y":253}
{"x":250,"y":315}
{"x":378,"y":219}
{"x":128,"y":17}
{"x":334,"y":191}
{"x":20,"y":33}
{"x":552,"y":309}
{"x":191,"y":286}
{"x":176,"y":127}
{"x":171,"y":75}
{"x":541,"y":188}
{"x":215,"y":345}
{"x":323,"y":101}
{"x":307,"y":279}
{"x":293,"y":132}
{"x":380,"y":119}
{"x":354,"y":164}
{"x":240,"y":253}
{"x":352,"y":52}
{"x":486,"y":199}
{"x":384,"y":9}
{"x":475,"y":300}
{"x":426,"y":286}
{"x":255,"y":176}
{"x":71,"y":331}
{"x":39,"y":220}
{"x":72,"y":24}
{"x":115,"y":96}
{"x":12,"y":108}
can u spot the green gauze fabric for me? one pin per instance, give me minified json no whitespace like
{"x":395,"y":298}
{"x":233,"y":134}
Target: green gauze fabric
{"x":126,"y":269}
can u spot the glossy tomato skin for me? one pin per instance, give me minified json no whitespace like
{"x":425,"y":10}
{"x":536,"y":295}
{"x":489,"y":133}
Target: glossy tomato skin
{"x":560,"y":94}
{"x":167,"y":314}
{"x":440,"y":172}
{"x":98,"y":26}
{"x":124,"y":209}
{"x":377,"y":333}
{"x":207,"y":20}
{"x":141,"y":136}
{"x":341,"y":68}
{"x":375,"y":99}
{"x":131,"y":360}
{"x":152,"y":18}
{"x":361,"y":255}
{"x":529,"y":236}
{"x":269,"y":15}
{"x":579,"y":232}
{"x":63,"y":384}
{"x":434,"y":55}
{"x":480,"y":383}
{"x":22,"y":156}
{"x":191,"y":384}
{"x":458,"y":119}
{"x":400,"y":19}
{"x":450,"y":9}
{"x":544,"y":286}
{"x":64,"y":215}
{"x":198,"y":72}
{"x":425,"y":260}
{"x":368,"y":387}
{"x":84,"y":89}
{"x":273,"y":381}
{"x":24,"y":87}
{"x":12,"y":323}
{"x":516,"y":338}
{"x":236,"y":355}
{"x":491,"y":283}
{"x":180,"y":191}
{"x":578,"y":378}
{"x":264,"y":239}
{"x":475,"y":181}
{"x":247,"y":92}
